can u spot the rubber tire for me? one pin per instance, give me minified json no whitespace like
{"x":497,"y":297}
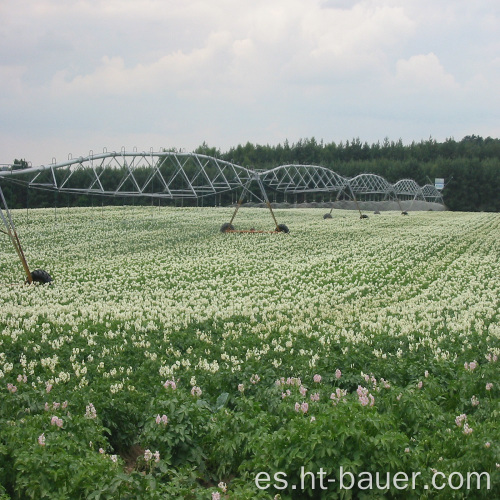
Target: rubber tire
{"x":41,"y":276}
{"x":283,"y":229}
{"x":226,"y":227}
{"x":327,"y":216}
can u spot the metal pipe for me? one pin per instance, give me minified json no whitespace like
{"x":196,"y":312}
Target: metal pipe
{"x":14,"y":238}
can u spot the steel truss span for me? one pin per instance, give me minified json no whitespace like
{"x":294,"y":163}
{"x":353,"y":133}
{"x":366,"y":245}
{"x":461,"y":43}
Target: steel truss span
{"x":303,"y":179}
{"x":160,"y":175}
{"x":173,"y":175}
{"x":409,"y":188}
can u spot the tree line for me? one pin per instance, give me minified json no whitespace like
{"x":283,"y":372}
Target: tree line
{"x":470,"y":167}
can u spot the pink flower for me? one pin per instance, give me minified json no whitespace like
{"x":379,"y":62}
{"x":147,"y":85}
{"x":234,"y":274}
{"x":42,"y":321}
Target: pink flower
{"x":170,"y":383}
{"x":460,"y":419}
{"x":297,"y":406}
{"x":467,"y":429}
{"x":304,"y":407}
{"x":41,"y":439}
{"x":90,"y":411}
{"x":338,"y":395}
{"x":254,"y":379}
{"x":315,"y":397}
{"x":302,"y":390}
{"x":385,"y":383}
{"x":196,"y":391}
{"x":215,"y":495}
{"x":48,"y":388}
{"x":101,"y":451}
{"x":56,"y":421}
{"x":364,"y":396}
{"x":338,"y":373}
{"x":471,"y":366}
{"x":474,"y":401}
{"x":420,"y":384}
{"x":162,"y":420}
{"x":487,"y":445}
{"x":489,"y":386}
{"x":11,"y":388}
{"x":293,"y":381}
{"x":317,"y":378}
{"x":241,"y":388}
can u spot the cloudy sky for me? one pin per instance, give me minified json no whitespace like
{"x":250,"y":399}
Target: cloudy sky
{"x":81,"y":75}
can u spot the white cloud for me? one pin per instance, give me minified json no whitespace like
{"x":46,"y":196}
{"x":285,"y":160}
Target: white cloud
{"x":259,"y":70}
{"x":424,"y":72}
{"x":11,"y":81}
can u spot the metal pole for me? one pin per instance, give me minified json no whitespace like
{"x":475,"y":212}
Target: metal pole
{"x":336,"y":199}
{"x":355,"y":201}
{"x":240,"y":200}
{"x":266,"y":199}
{"x":11,"y":232}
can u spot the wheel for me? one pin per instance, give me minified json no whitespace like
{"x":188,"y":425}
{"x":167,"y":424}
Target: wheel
{"x":404,"y":213}
{"x":364,"y":216}
{"x":226,"y":227}
{"x":327,"y":216}
{"x":41,"y":276}
{"x":282,"y":228}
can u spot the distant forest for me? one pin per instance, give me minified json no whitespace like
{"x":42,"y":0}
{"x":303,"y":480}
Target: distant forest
{"x":470,"y":167}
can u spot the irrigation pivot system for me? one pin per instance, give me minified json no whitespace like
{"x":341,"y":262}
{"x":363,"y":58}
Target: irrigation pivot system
{"x":178,"y":175}
{"x":38,"y":275}
{"x":175,"y":175}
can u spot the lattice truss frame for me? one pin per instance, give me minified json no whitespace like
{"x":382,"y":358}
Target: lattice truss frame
{"x":410,"y":189}
{"x":296,"y":179}
{"x":172,"y":175}
{"x":370,"y":184}
{"x":430,"y":193}
{"x":160,"y":175}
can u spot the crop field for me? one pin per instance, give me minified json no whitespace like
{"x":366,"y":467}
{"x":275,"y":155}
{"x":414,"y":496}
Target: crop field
{"x":169,"y":360}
